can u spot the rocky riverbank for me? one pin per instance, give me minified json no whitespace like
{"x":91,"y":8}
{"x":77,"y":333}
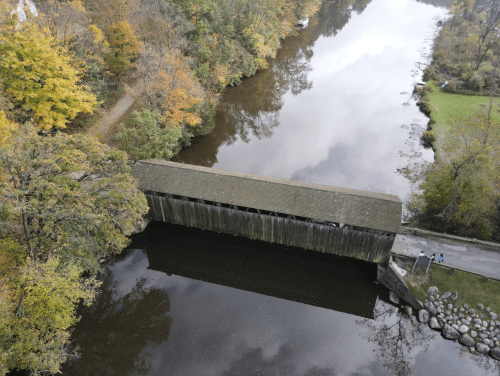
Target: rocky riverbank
{"x":477,"y":328}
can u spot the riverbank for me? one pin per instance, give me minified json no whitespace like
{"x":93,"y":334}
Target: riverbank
{"x":443,"y":108}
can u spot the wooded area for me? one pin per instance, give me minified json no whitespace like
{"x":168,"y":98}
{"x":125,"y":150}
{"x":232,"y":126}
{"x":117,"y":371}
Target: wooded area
{"x":67,"y":201}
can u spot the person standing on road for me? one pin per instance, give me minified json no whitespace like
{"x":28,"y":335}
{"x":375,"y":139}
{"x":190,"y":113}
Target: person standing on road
{"x":433,"y":257}
{"x":441,"y":259}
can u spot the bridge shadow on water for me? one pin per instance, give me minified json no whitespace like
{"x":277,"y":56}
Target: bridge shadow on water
{"x":323,"y":280}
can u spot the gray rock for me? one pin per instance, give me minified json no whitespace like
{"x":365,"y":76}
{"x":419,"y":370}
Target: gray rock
{"x":394,"y":298}
{"x":460,"y":316}
{"x":471,"y":311}
{"x":437,"y":296}
{"x":430,"y":298}
{"x":447,"y":312}
{"x":497,"y":322}
{"x":476,"y":321}
{"x":448,"y":317}
{"x":483,"y":336}
{"x":492,"y":316}
{"x":482,"y":348}
{"x":435,"y":324}
{"x":487,"y":309}
{"x":480,"y":306}
{"x":486,"y":341}
{"x":449,"y":333}
{"x":433,"y":290}
{"x":414,"y":320}
{"x":463,"y":329}
{"x":454,"y":326}
{"x":430,"y":307}
{"x":491,"y":328}
{"x":439,"y":309}
{"x":455,"y":310}
{"x":492,"y":323}
{"x":446,"y":295}
{"x":477,"y":326}
{"x":465,"y":322}
{"x":473,"y":334}
{"x":495,"y":353}
{"x":454,"y":296}
{"x":485,"y":324}
{"x":423,"y":315}
{"x":462,"y":309}
{"x":466,"y":340}
{"x":472,"y":350}
{"x":449,"y":306}
{"x":458,"y":322}
{"x":466,"y":306}
{"x":491,"y":335}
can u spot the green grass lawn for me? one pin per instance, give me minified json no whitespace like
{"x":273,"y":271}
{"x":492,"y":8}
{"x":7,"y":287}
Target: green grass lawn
{"x":447,"y":106}
{"x":472,"y":289}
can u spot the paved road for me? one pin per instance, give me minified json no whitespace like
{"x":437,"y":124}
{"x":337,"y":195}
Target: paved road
{"x":461,"y":255}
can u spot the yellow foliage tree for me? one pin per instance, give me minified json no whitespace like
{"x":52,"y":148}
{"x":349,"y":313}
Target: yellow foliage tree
{"x":39,"y":78}
{"x":124,"y":47}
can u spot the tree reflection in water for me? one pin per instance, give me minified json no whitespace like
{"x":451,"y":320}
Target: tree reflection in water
{"x":115,"y":331}
{"x":253,"y":108}
{"x":396,"y":336}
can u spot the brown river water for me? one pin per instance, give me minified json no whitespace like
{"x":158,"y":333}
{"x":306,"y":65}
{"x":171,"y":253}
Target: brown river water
{"x":333,"y":108}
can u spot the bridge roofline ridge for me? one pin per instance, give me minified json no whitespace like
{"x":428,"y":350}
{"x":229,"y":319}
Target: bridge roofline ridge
{"x":242,"y":175}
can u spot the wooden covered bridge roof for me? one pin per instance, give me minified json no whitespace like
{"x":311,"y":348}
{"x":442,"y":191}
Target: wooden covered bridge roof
{"x":355,"y":207}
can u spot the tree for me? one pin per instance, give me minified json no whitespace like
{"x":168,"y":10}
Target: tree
{"x":148,"y":136}
{"x":459,"y":192}
{"x":35,"y":319}
{"x":124,"y":47}
{"x":38,"y":77}
{"x":171,"y":87}
{"x":75,"y":198}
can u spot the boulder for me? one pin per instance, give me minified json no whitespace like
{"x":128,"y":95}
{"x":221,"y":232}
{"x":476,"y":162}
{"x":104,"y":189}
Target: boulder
{"x":449,"y":306}
{"x":466,"y":340}
{"x":485,"y":324}
{"x":463,"y":329}
{"x":465,"y":322}
{"x":433,"y":290}
{"x":476,"y":321}
{"x":487,"y":309}
{"x":482,"y":348}
{"x":473,"y":334}
{"x":480,"y":306}
{"x":423,"y":315}
{"x":471,"y":311}
{"x":430,"y":298}
{"x":446,"y":295}
{"x":495,"y":353}
{"x":430,"y":307}
{"x":454,"y":296}
{"x":454,"y":326}
{"x":466,"y":306}
{"x":492,"y":316}
{"x":394,"y":298}
{"x":449,"y":333}
{"x":487,"y":342}
{"x":435,"y":323}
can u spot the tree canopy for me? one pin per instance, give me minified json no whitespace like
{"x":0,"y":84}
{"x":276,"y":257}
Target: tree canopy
{"x":39,"y":78}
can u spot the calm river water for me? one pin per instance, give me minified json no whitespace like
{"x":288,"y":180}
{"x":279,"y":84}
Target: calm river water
{"x":333,"y":108}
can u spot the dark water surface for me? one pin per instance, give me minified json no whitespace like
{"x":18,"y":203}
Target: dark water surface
{"x":334,"y":108}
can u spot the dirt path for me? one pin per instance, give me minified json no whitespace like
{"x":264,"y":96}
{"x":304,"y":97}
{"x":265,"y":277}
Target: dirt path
{"x":111,"y":117}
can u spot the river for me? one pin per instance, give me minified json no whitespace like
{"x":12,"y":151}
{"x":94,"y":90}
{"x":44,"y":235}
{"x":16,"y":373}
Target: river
{"x":333,"y":108}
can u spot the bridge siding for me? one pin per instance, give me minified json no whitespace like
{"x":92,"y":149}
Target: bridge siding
{"x":354,"y":207}
{"x":343,"y":242}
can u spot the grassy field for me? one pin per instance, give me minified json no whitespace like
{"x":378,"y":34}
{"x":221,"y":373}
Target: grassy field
{"x":447,"y":106}
{"x":472,"y":289}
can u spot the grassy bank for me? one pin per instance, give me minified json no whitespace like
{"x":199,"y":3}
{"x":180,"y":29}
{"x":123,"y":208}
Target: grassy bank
{"x":472,"y":289}
{"x":443,"y":108}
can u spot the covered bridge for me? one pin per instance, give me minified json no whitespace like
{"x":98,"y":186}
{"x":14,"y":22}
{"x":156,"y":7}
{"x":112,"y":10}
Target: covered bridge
{"x":329,"y":219}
